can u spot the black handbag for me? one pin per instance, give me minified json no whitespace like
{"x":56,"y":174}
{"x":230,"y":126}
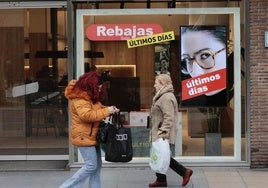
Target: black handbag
{"x":118,"y":142}
{"x":102,"y":134}
{"x":104,"y":128}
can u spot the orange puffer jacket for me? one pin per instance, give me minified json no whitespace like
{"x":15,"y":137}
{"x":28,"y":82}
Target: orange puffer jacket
{"x":85,"y":116}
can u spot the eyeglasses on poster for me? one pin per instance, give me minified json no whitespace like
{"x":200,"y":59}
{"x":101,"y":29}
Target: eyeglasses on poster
{"x":203,"y":65}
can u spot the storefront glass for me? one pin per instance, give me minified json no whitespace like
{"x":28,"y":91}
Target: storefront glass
{"x":38,"y":38}
{"x":130,"y":74}
{"x":34,"y":118}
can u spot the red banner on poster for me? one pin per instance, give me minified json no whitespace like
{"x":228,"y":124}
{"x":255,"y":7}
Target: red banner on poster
{"x":203,"y":84}
{"x":115,"y":32}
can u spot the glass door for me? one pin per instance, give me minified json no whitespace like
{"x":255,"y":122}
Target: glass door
{"x":33,"y":117}
{"x":12,"y":115}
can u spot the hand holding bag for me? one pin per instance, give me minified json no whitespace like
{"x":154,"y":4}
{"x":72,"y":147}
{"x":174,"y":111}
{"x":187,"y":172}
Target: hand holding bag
{"x":119,"y":142}
{"x":160,"y":156}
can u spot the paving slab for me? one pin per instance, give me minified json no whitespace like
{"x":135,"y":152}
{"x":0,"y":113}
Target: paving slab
{"x":139,"y":177}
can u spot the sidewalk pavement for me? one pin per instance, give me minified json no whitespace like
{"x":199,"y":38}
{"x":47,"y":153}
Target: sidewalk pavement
{"x":139,"y":177}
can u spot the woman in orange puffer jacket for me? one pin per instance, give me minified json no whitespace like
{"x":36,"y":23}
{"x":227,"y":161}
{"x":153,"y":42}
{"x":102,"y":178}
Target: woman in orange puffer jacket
{"x":86,"y":110}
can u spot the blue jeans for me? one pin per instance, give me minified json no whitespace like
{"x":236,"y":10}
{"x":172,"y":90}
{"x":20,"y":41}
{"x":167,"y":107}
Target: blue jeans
{"x":91,"y":169}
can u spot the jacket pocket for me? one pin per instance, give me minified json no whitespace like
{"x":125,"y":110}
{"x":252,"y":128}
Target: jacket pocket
{"x":90,"y":130}
{"x":160,"y":125}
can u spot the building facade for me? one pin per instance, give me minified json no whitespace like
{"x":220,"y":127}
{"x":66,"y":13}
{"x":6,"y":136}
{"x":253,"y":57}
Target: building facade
{"x":47,"y":43}
{"x":257,"y":26}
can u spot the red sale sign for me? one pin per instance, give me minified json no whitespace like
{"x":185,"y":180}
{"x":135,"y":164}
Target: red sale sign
{"x":115,"y":32}
{"x":203,"y":84}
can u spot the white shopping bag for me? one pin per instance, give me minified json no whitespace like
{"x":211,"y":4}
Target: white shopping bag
{"x":160,"y":156}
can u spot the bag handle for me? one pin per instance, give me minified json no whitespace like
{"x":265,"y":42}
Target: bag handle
{"x":117,"y":120}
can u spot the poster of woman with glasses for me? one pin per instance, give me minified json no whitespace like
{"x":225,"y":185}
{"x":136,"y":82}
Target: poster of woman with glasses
{"x":203,"y":65}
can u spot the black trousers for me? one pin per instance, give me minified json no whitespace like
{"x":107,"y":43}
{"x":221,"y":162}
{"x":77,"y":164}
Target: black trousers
{"x":175,"y":166}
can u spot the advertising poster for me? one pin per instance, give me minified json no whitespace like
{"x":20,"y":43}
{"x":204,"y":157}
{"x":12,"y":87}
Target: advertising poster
{"x":162,"y":58}
{"x":203,"y":58}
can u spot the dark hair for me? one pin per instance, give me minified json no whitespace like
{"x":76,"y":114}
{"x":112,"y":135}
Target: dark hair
{"x":89,"y":82}
{"x":219,"y":32}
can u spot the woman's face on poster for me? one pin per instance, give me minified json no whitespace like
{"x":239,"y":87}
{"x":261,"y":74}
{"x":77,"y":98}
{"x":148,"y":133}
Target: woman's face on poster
{"x":203,"y":54}
{"x":199,"y":45}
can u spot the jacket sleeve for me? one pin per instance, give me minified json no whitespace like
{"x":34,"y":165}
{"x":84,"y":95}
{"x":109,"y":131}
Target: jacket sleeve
{"x":89,"y":112}
{"x":167,"y":107}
